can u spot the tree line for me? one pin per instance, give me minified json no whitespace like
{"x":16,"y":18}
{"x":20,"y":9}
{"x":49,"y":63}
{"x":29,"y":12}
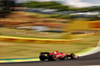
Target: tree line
{"x":57,"y":5}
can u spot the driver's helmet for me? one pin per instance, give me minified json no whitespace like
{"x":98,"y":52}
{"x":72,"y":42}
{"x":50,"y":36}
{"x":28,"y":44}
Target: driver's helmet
{"x":55,"y":52}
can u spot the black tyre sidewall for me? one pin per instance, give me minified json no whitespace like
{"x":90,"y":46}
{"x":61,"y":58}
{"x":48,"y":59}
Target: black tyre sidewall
{"x":72,"y":56}
{"x":42,"y":57}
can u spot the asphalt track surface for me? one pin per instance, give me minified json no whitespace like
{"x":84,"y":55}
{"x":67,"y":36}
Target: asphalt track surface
{"x":93,"y":59}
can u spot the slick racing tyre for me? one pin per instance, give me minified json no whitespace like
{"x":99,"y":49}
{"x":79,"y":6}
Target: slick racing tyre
{"x":42,"y":57}
{"x":72,"y":56}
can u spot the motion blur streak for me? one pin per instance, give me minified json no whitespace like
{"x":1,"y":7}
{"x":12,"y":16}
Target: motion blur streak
{"x":96,"y":50}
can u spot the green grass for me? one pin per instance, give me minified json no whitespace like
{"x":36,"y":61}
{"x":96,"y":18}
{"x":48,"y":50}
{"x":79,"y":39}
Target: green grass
{"x":33,"y":34}
{"x":33,"y":14}
{"x":30,"y":50}
{"x":28,"y":34}
{"x":39,"y":15}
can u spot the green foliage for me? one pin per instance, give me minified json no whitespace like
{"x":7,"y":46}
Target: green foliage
{"x":58,"y":6}
{"x":67,"y":17}
{"x":62,"y":16}
{"x":73,"y":9}
{"x":54,"y":16}
{"x":35,"y":4}
{"x":95,"y":18}
{"x":94,"y":8}
{"x":51,"y":5}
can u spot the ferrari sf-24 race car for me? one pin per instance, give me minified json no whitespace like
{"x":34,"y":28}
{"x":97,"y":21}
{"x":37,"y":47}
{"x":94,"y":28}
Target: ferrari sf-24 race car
{"x":56,"y":55}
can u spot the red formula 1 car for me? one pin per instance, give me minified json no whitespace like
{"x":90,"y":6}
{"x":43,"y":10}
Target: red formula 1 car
{"x":56,"y":55}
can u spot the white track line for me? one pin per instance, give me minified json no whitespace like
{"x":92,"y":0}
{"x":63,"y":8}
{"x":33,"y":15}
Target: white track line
{"x":95,"y":50}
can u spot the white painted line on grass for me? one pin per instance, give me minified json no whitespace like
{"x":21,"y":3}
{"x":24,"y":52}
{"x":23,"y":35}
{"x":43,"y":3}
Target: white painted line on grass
{"x":95,"y":50}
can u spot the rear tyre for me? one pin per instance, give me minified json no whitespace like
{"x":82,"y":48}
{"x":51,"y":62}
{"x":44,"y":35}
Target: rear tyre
{"x":42,"y":57}
{"x":72,"y":56}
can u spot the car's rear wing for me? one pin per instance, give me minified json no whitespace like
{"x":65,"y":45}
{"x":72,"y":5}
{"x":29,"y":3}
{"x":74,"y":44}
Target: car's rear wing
{"x":45,"y":53}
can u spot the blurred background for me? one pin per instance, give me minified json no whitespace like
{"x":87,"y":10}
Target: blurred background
{"x":48,"y":19}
